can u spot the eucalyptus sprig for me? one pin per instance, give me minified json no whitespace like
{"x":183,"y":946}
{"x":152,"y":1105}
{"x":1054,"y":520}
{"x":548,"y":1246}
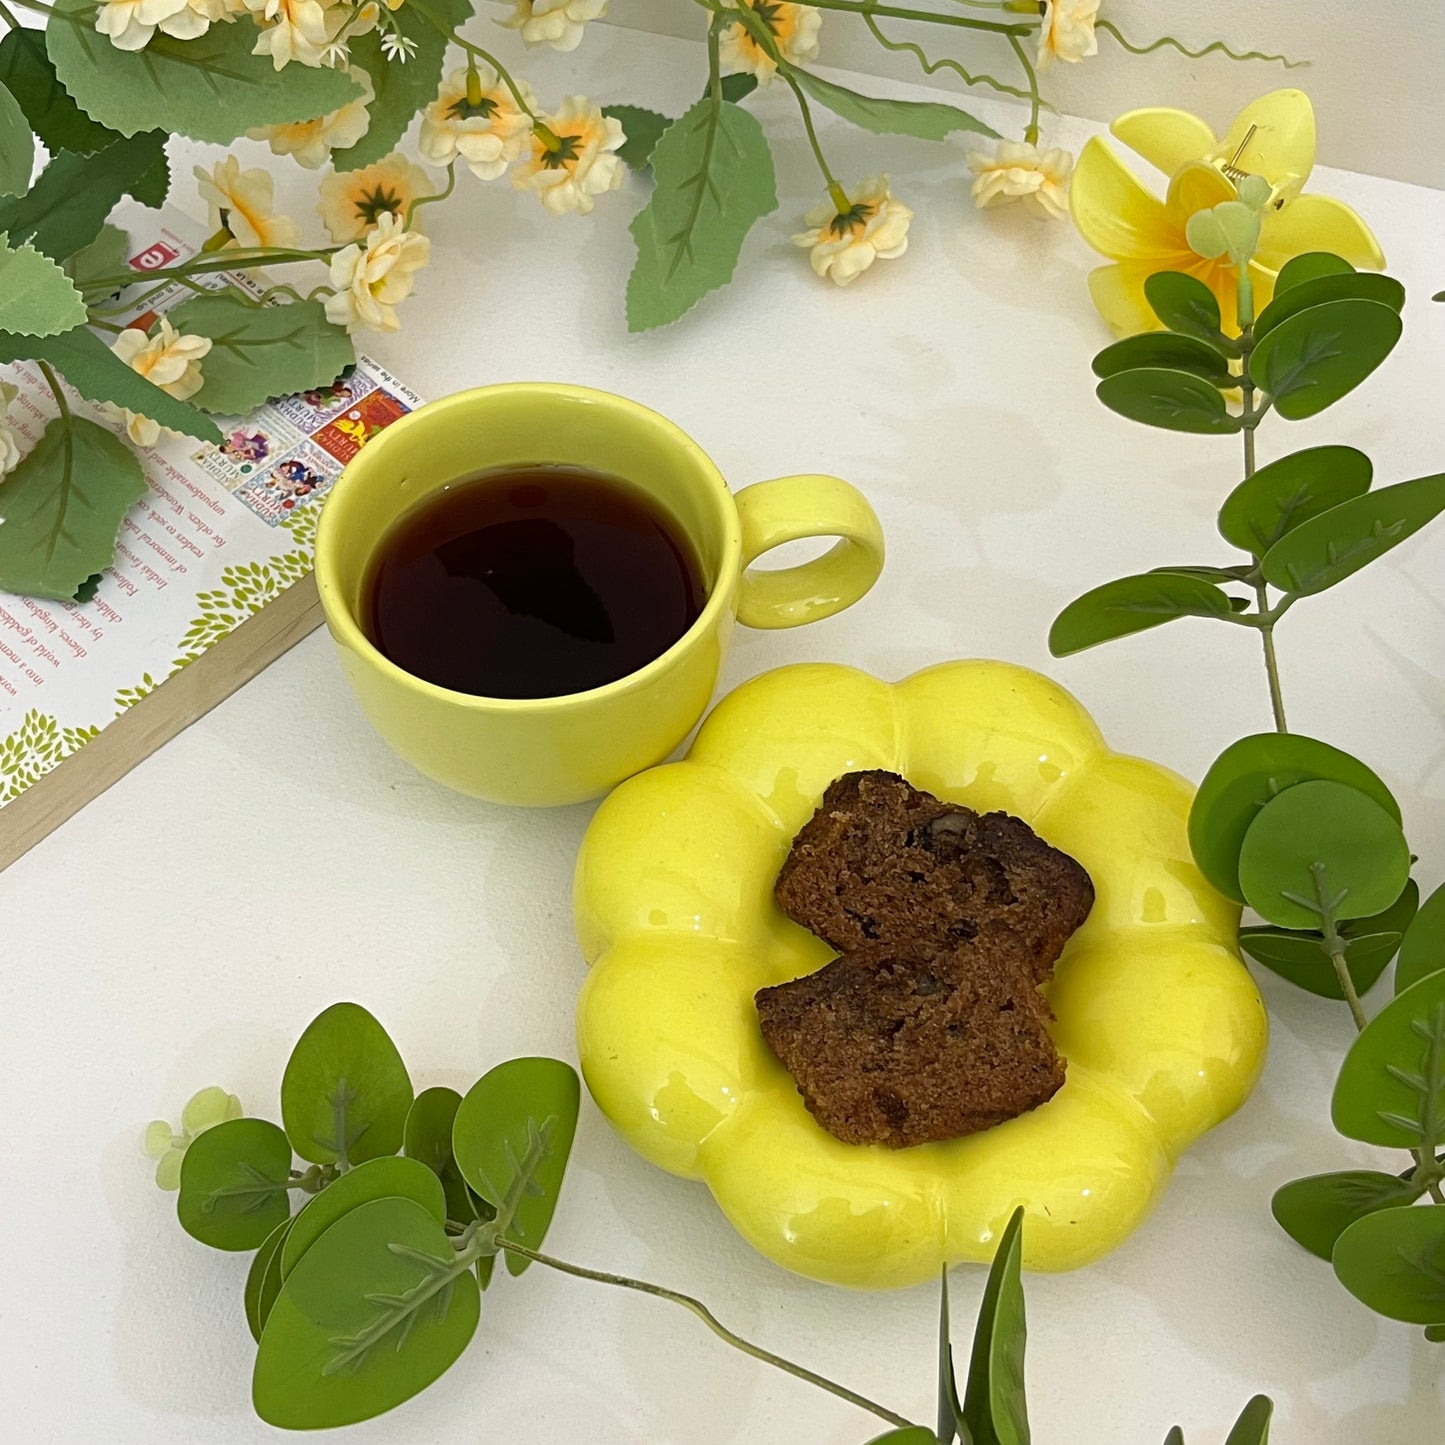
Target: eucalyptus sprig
{"x":371,"y":1289}
{"x":1309,"y":837}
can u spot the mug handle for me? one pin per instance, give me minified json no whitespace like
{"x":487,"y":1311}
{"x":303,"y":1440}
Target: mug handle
{"x":786,"y":510}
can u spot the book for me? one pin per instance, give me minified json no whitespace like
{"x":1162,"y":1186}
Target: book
{"x":211,"y":580}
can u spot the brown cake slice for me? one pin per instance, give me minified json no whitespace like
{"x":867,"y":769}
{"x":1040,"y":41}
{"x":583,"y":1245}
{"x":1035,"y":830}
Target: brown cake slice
{"x":886,"y":1049}
{"x":882,"y":863}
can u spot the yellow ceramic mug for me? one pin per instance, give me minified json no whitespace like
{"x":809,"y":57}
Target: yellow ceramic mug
{"x":552,"y":750}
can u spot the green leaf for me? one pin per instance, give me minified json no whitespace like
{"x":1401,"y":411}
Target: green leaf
{"x":107,"y":255}
{"x":1436,"y":1333}
{"x":389,"y":1177}
{"x":1300,"y":957}
{"x":211,"y":88}
{"x":258,"y":352}
{"x":61,"y":508}
{"x":151,"y":187}
{"x":1310,"y":360}
{"x":1314,"y":1212}
{"x":1252,"y":1427}
{"x":1394,"y":1262}
{"x":714,"y":175}
{"x":1169,"y":398}
{"x":1308,"y":266}
{"x":950,"y":1409}
{"x":17,"y":146}
{"x":27,"y":72}
{"x":1288,"y":492}
{"x":1336,"y":544}
{"x":1422,"y":951}
{"x":913,"y":1435}
{"x":427,"y":1137}
{"x":1245,"y":776}
{"x":1391,"y":1086}
{"x":66,"y":207}
{"x":1358,"y":285}
{"x":97,"y":373}
{"x":737,"y":87}
{"x":643,"y":129}
{"x":1322,"y":846}
{"x":263,"y":1280}
{"x":374,"y":1313}
{"x":1132,"y":604}
{"x":1164,"y":350}
{"x":401,"y":90}
{"x":994,"y":1406}
{"x":1185,"y":304}
{"x":235,"y":1179}
{"x":925,"y":119}
{"x":499,"y":1120}
{"x":1206,"y":573}
{"x":345,"y":1092}
{"x":36,"y":296}
{"x":1174,"y":1437}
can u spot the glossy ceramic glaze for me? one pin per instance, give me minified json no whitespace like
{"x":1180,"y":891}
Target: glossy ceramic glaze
{"x":1160,"y":1022}
{"x":556,"y":750}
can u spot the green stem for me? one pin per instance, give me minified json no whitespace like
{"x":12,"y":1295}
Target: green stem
{"x":93,"y":320}
{"x":836,"y":192}
{"x":699,"y":1309}
{"x":8,"y":16}
{"x":944,"y":63}
{"x":1216,"y":46}
{"x":926,"y":17}
{"x":53,"y":382}
{"x":237,"y":260}
{"x":1031,"y":135}
{"x":419,"y":201}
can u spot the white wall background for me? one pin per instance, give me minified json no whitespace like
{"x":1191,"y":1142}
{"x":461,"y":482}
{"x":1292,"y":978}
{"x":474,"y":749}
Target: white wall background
{"x":1374,"y":69}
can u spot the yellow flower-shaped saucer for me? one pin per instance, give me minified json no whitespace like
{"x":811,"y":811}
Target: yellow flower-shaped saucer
{"x":1161,"y":1025}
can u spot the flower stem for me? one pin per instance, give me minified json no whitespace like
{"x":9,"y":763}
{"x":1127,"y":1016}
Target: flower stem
{"x":234,"y":260}
{"x":1217,"y":46}
{"x":836,"y":192}
{"x":1031,"y":135}
{"x":657,"y":1291}
{"x":926,"y":17}
{"x":945,"y":62}
{"x":419,"y":201}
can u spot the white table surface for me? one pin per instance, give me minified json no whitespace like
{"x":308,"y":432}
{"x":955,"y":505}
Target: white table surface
{"x":276,"y":857}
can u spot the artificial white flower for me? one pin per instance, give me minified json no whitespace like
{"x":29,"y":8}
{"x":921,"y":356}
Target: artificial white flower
{"x":582,"y":167}
{"x":311,"y":142}
{"x":372,"y":277}
{"x":170,"y":360}
{"x":794,"y":29}
{"x":397,"y":47}
{"x":1067,"y":31}
{"x":131,"y":23}
{"x":486,"y":129}
{"x":845,"y":244}
{"x":168,"y":1146}
{"x":1017,"y":171}
{"x":300,"y":30}
{"x":241,"y":201}
{"x":9,"y":448}
{"x":558,"y":23}
{"x":352,"y":202}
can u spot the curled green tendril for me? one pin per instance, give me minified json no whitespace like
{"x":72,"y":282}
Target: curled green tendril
{"x":1218,"y":45}
{"x":945,"y":63}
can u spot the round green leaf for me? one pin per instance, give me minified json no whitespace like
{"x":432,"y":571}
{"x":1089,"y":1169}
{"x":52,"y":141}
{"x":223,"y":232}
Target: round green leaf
{"x":994,"y":1404}
{"x":1185,"y":304}
{"x":1358,"y":285}
{"x":1252,"y":1427}
{"x":1314,"y":1212}
{"x":1309,"y":265}
{"x":1394,"y":1261}
{"x":1133,"y":604}
{"x":1391,"y":1086}
{"x":1244,"y":777}
{"x":376,"y":1310}
{"x":1422,"y":951}
{"x":1435,"y":1333}
{"x":1168,"y":398}
{"x":1322,"y":845}
{"x":263,"y":1280}
{"x":345,"y":1091}
{"x":523,"y":1110}
{"x":1312,"y":359}
{"x":913,"y":1435}
{"x":1337,"y":543}
{"x":428,"y":1137}
{"x":235,"y":1181}
{"x":1300,"y":957}
{"x":1175,"y":1436}
{"x":391,"y":1177}
{"x":1164,"y":349}
{"x":1289,"y":492}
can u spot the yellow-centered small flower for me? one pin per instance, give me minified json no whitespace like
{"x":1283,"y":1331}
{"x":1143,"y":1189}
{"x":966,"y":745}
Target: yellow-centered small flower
{"x":131,"y":23}
{"x":170,"y":360}
{"x":570,"y":175}
{"x":1017,"y":171}
{"x":1067,"y":31}
{"x":310,"y":142}
{"x":794,"y":29}
{"x":373,"y":276}
{"x":352,"y":202}
{"x":558,"y":23}
{"x":242,"y":202}
{"x":476,"y":117}
{"x":843,"y":243}
{"x":300,"y":30}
